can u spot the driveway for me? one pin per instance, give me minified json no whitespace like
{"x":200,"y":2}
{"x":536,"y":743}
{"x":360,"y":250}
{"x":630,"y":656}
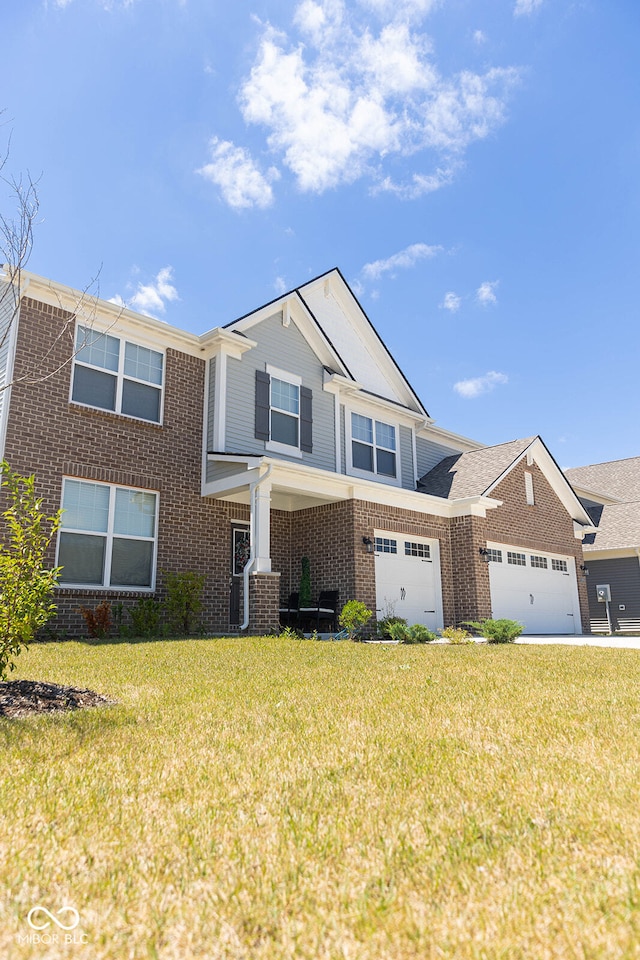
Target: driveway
{"x":591,"y":640}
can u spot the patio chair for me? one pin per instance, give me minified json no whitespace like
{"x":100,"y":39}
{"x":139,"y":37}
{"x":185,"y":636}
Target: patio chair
{"x":326,"y":609}
{"x":289,"y":613}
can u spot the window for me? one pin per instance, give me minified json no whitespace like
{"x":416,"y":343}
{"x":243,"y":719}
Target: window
{"x":539,"y":562}
{"x":107,"y":536}
{"x":373,"y":446}
{"x":285,"y":412}
{"x":114,"y":374}
{"x":493,"y":555}
{"x":560,"y":566}
{"x":417,"y":550}
{"x":384,"y":545}
{"x":518,"y":559}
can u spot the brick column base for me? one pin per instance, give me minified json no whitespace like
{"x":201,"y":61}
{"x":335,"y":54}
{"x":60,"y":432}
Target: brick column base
{"x":264,"y":603}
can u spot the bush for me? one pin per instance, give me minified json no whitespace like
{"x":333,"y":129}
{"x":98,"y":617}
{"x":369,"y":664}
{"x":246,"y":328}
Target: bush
{"x":304,"y":590}
{"x":146,"y":617}
{"x":353,"y":617}
{"x":383,"y":626}
{"x":184,"y":601}
{"x":26,"y":587}
{"x":497,"y":631}
{"x":418,"y":633}
{"x":455,"y":635}
{"x":98,"y":621}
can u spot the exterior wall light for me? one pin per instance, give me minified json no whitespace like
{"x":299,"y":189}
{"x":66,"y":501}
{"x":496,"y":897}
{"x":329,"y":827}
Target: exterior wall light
{"x":484,"y":554}
{"x":368,"y":544}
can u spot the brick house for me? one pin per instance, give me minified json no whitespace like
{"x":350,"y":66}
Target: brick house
{"x":288,"y":433}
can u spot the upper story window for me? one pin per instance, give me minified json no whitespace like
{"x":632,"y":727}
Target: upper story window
{"x":114,"y":374}
{"x":283,"y":412}
{"x":107,"y":536}
{"x":373,"y":446}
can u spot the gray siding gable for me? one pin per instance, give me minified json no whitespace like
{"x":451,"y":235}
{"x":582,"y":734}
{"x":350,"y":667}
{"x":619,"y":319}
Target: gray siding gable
{"x":430,"y":454}
{"x":286,"y":348}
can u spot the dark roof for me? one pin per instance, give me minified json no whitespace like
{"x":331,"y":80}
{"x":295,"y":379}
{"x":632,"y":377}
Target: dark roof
{"x":618,"y":479}
{"x":618,"y":527}
{"x":472,"y":474}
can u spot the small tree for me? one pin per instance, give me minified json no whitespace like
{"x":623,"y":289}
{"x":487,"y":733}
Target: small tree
{"x":304,"y":596}
{"x":353,"y":617}
{"x":26,"y":586}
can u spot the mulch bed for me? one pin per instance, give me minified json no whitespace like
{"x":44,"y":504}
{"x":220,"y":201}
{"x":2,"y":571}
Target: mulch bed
{"x":20,"y":698}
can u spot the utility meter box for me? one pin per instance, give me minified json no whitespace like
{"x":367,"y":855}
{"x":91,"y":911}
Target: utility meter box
{"x":603,"y":592}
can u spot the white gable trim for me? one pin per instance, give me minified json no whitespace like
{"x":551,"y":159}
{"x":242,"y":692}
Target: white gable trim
{"x":536,"y":452}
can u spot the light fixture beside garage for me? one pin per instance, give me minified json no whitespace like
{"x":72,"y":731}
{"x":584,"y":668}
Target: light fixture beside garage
{"x":484,"y":554}
{"x":368,"y":544}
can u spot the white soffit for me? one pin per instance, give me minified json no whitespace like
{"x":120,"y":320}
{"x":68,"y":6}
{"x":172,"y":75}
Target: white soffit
{"x":347,"y":341}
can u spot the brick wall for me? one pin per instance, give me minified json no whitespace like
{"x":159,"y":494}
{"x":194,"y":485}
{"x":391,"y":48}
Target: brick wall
{"x":52,"y":438}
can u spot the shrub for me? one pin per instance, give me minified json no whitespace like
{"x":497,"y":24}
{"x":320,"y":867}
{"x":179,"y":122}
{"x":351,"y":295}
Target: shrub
{"x":26,"y":587}
{"x":383,"y":627}
{"x":497,"y":631}
{"x":418,"y":633}
{"x":184,"y":600}
{"x":98,"y":621}
{"x":353,"y":617}
{"x":456,"y":635}
{"x":146,"y":617}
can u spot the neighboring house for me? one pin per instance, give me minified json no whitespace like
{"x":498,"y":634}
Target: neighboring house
{"x":288,"y":433}
{"x":611,"y":494}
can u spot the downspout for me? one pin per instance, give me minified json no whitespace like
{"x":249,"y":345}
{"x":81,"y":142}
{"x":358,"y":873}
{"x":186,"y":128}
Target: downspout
{"x":252,"y":546}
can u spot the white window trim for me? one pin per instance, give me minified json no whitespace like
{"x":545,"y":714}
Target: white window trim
{"x":109,"y":536}
{"x":119,"y":374}
{"x":274,"y":446}
{"x":365,"y":474}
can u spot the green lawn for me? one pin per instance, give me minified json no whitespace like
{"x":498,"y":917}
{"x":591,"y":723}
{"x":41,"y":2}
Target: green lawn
{"x":265,"y":798}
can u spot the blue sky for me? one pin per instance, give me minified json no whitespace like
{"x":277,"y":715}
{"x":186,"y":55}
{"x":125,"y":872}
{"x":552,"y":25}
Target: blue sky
{"x":472,"y":166}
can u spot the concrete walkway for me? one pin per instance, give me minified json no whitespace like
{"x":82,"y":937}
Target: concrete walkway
{"x":590,"y":640}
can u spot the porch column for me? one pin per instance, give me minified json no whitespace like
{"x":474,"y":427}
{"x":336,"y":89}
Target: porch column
{"x":261,"y":528}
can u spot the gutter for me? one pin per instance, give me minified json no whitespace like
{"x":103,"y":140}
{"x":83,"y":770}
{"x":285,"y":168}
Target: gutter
{"x":252,"y":547}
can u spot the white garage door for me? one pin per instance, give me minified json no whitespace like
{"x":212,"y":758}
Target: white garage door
{"x":539,"y":590}
{"x":408,"y":578}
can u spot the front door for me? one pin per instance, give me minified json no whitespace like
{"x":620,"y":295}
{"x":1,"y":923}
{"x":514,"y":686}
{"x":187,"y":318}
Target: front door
{"x":240,"y":550}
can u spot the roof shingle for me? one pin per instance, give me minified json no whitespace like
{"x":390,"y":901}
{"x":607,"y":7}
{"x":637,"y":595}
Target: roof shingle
{"x":471,"y":474}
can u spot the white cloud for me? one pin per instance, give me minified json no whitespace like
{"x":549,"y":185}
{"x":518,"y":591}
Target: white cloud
{"x":233,"y":171}
{"x":404,"y":259}
{"x":351,"y":96}
{"x":526,"y":7}
{"x":480,"y":37}
{"x":485,"y":294}
{"x":279,"y":285}
{"x":477,"y":386}
{"x":152,"y":298}
{"x":451,"y":302}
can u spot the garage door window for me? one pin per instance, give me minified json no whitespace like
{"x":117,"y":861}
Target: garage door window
{"x":385,"y":545}
{"x":539,"y":562}
{"x":560,"y":566}
{"x":517,"y":559}
{"x":416,"y":550}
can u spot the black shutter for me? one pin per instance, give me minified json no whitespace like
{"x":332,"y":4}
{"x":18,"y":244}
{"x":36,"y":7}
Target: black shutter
{"x":263,"y":381}
{"x":306,"y":420}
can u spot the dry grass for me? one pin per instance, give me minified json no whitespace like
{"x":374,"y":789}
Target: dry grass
{"x":268,"y":799}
